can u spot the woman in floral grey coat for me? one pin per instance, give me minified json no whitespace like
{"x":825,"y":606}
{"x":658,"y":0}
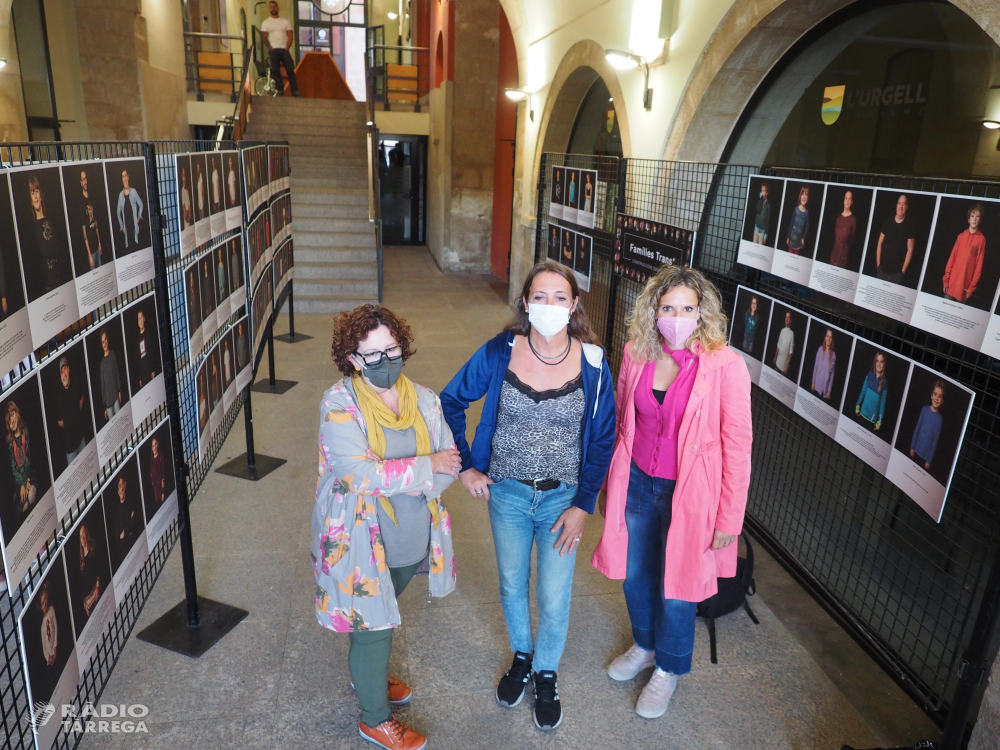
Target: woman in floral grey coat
{"x":385,"y":456}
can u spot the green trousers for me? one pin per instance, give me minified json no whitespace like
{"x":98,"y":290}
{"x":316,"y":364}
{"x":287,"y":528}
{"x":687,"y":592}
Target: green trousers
{"x":368,"y":660}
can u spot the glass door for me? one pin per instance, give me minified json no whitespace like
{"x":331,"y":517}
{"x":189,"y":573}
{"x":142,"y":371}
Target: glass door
{"x":36,"y":70}
{"x":402,"y":171}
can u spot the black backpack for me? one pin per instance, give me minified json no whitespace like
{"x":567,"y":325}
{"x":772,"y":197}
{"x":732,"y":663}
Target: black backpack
{"x":732,"y":595}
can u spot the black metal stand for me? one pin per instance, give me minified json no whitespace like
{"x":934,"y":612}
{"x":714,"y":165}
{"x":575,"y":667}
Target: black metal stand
{"x":272,"y":386}
{"x":196,"y":624}
{"x":291,"y":337}
{"x":250,"y":465}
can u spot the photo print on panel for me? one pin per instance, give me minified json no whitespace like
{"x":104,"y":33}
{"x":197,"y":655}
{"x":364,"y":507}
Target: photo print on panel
{"x":217,"y":410}
{"x":894,"y":255}
{"x":109,"y":389}
{"x":798,"y":228}
{"x":202,"y":210}
{"x":28,"y":514}
{"x":49,"y":650}
{"x":748,"y":333}
{"x":826,"y":357}
{"x":126,"y":527}
{"x":88,"y":569}
{"x":15,"y":328}
{"x":159,"y":486}
{"x":874,"y":392}
{"x":204,"y":408}
{"x":237,"y":279}
{"x":233,"y":190}
{"x":192,"y":304}
{"x":572,"y":195}
{"x":557,"y":192}
{"x":961,"y":275}
{"x":66,"y":395}
{"x":841,"y":241}
{"x":46,"y":260}
{"x":90,"y":233}
{"x":783,"y":352}
{"x":227,"y":362}
{"x":142,"y":353}
{"x":220,"y":256}
{"x":129,"y":201}
{"x":185,"y":202}
{"x":760,"y":222}
{"x":207,"y":279}
{"x":587,"y":209}
{"x":241,"y":347}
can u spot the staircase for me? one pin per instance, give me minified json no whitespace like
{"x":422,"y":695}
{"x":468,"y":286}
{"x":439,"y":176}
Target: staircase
{"x":336,"y":261}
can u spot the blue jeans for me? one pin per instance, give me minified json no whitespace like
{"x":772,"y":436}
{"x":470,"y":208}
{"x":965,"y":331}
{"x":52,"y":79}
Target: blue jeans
{"x":520,"y":516}
{"x":665,"y":626}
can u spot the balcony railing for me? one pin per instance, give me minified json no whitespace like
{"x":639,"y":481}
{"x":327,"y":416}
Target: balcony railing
{"x":398,"y":77}
{"x":211,"y":68}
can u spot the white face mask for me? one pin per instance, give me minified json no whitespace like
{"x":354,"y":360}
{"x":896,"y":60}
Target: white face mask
{"x":548,"y":320}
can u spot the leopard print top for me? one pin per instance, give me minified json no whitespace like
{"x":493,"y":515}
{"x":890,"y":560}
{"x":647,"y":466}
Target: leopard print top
{"x":538,"y":433}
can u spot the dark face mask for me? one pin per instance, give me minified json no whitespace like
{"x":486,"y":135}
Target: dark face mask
{"x":385,"y":373}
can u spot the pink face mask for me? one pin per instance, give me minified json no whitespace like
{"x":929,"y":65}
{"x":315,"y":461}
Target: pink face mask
{"x":677,"y":331}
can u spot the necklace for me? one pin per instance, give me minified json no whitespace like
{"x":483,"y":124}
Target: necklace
{"x":541,"y":357}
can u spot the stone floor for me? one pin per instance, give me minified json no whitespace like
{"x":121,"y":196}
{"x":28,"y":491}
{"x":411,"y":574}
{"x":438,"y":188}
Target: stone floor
{"x":280,"y":681}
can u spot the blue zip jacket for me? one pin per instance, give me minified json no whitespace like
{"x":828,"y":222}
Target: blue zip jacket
{"x":483,"y":375}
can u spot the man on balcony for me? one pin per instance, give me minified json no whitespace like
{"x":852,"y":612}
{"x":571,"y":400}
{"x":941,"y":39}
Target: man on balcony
{"x":277,"y":33}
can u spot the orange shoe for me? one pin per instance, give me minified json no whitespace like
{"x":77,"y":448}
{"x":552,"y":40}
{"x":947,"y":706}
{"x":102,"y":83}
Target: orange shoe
{"x":399,"y":693}
{"x":392,"y":734}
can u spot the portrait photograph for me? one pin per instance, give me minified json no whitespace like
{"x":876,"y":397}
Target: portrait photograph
{"x":48,"y":632}
{"x":750,"y":320}
{"x":122,"y":499}
{"x":558,"y":193}
{"x":583,"y":255}
{"x":825,"y":362}
{"x":963,"y":264}
{"x":25,"y":474}
{"x":207,"y":280}
{"x":233,"y":187}
{"x":88,"y":565}
{"x":241,"y":344}
{"x":199,"y":182}
{"x":898,"y":236}
{"x":201,"y":387}
{"x":185,"y":192}
{"x":221,"y":257}
{"x":12,"y":297}
{"x":572,"y":188}
{"x":88,"y":216}
{"x":41,"y":229}
{"x":760,"y":220}
{"x":68,"y":414}
{"x":129,"y":201}
{"x":142,"y":343}
{"x":156,"y":468}
{"x":192,"y":301}
{"x":932,"y":422}
{"x":566,"y":256}
{"x":214,"y":378}
{"x":785,"y":340}
{"x":236,"y":277}
{"x":227,"y":360}
{"x":799,"y":223}
{"x":875,"y":388}
{"x":109,"y":389}
{"x":216,"y":180}
{"x":842,"y":236}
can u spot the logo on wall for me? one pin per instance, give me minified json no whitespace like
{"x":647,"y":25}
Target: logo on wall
{"x":833,"y":103}
{"x":611,"y":120}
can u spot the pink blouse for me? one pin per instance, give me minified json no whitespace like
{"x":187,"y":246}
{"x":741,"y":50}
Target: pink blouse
{"x":654,"y":448}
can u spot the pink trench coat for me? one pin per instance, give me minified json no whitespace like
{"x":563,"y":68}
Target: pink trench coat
{"x":713,"y":476}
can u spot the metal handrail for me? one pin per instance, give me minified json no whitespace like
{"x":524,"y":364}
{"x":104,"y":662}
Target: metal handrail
{"x":244,"y":96}
{"x":208,"y":35}
{"x":194,"y":65}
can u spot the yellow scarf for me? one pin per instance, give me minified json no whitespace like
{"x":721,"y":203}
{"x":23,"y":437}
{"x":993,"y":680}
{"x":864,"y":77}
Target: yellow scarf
{"x":378,"y":417}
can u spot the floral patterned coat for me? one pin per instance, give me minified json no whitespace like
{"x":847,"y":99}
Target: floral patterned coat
{"x":353,"y":587}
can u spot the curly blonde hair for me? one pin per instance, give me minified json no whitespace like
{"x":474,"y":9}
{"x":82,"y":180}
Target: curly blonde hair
{"x":712,"y":325}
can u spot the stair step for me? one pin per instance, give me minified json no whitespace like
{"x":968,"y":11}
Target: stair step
{"x":353,"y":149}
{"x":367,"y":271}
{"x":326,"y":303}
{"x":356,"y":182}
{"x":330,"y":210}
{"x":334,"y":239}
{"x":335,"y":255}
{"x":336,"y":287}
{"x":304,"y":197}
{"x":327,"y":225}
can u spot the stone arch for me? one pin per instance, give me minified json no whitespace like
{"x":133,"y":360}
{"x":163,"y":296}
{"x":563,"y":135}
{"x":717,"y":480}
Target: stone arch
{"x":752,"y":38}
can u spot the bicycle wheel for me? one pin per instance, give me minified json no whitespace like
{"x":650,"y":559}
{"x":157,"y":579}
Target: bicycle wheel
{"x":260,"y":86}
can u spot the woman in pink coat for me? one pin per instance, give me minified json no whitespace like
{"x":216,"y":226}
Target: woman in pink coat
{"x":677,"y":485}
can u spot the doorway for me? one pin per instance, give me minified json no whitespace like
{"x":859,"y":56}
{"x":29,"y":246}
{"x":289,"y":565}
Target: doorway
{"x":38,"y":90}
{"x":402,"y":174}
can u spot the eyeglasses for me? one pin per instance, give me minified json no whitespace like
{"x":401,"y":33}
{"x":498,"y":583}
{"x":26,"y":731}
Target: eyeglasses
{"x":374,"y":358}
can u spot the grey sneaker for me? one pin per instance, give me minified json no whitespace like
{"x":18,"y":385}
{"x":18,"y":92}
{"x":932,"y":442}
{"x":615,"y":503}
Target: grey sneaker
{"x":655,"y":697}
{"x":629,"y":664}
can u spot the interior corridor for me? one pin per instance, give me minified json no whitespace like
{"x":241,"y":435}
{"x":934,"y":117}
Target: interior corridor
{"x":281,"y":681}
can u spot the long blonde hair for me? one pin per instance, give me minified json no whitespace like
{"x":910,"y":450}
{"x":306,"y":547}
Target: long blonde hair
{"x":642,"y":331}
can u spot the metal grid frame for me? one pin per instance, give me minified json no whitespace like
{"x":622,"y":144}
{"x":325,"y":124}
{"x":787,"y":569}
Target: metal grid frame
{"x":909,"y":590}
{"x":597,"y":302}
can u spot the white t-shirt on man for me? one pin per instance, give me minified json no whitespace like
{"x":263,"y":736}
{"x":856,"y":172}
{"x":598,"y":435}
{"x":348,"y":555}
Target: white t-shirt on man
{"x":277,"y":31}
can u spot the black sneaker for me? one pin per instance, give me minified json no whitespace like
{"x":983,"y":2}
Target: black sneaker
{"x":548,"y":709}
{"x":510,"y":690}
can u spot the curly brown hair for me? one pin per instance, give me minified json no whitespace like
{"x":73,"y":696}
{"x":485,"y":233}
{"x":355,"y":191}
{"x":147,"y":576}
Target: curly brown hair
{"x":353,"y":326}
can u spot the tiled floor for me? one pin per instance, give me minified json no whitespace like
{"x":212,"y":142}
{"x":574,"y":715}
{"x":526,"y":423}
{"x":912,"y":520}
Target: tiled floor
{"x":280,"y":681}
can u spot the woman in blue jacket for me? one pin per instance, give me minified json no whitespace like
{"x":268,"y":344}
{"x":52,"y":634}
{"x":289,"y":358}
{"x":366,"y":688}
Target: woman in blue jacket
{"x":540,"y":454}
{"x":871,"y":400}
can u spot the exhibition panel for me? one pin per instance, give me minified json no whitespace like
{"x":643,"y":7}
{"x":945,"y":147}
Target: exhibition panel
{"x":878,"y":433}
{"x":126,"y":335}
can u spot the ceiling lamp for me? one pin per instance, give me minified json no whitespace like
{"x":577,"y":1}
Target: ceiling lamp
{"x":623,"y":60}
{"x":519,"y":95}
